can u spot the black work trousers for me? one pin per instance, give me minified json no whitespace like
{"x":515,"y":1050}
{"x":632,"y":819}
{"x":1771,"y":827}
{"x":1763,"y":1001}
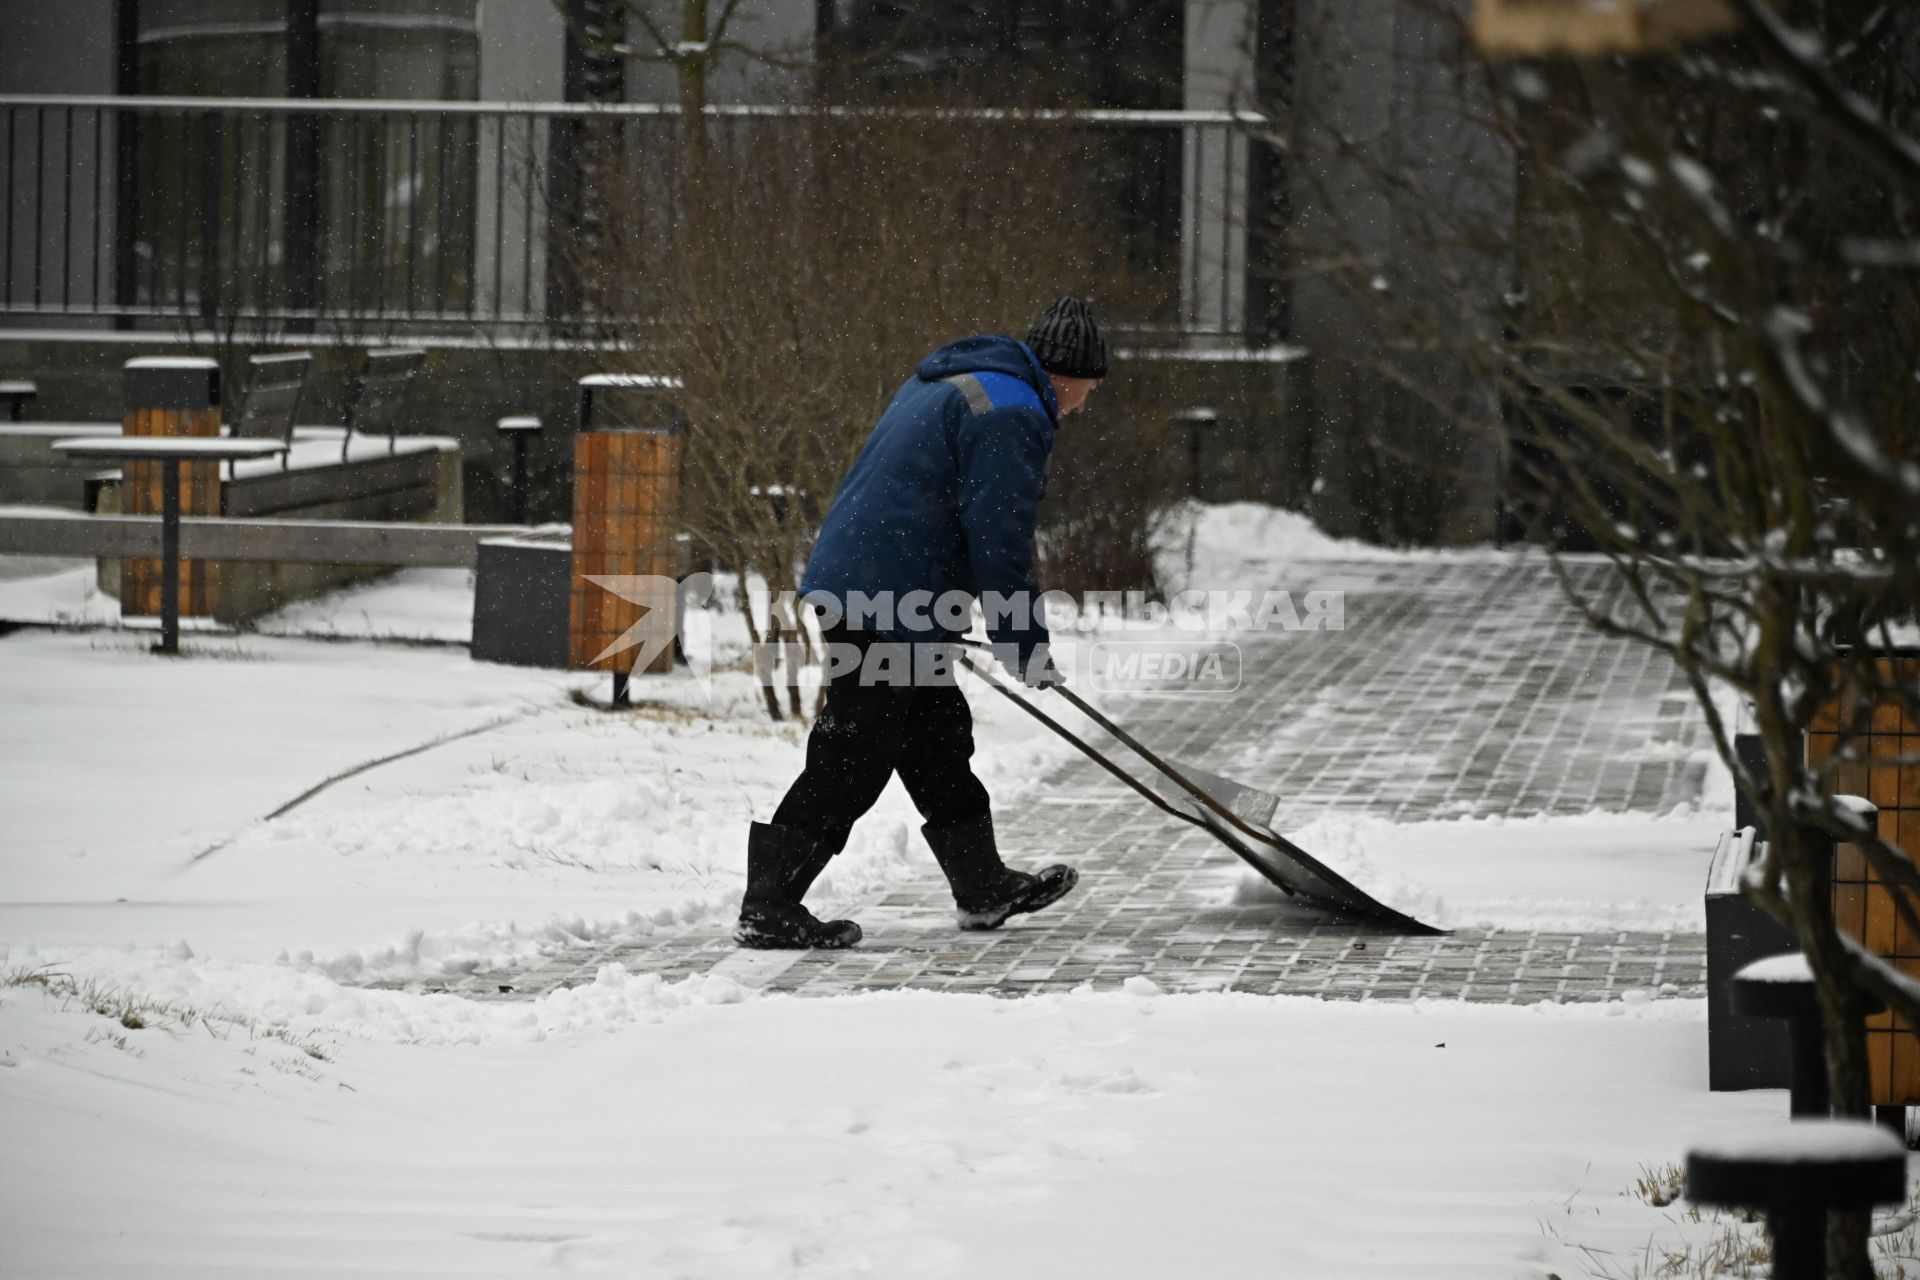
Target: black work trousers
{"x":866,"y":732}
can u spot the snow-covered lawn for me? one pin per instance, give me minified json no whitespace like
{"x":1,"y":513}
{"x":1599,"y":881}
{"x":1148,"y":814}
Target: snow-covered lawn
{"x":136,"y":789}
{"x":675,"y":1132}
{"x":270,"y":1116}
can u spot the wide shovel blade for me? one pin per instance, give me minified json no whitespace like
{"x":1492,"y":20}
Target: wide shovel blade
{"x":1274,"y":856}
{"x":1239,"y":816}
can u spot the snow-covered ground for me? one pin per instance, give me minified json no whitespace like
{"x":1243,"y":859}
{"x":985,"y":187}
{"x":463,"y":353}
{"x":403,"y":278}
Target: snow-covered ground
{"x":683,"y":1131}
{"x":408,"y":605}
{"x":270,"y":1116}
{"x":137,"y":791}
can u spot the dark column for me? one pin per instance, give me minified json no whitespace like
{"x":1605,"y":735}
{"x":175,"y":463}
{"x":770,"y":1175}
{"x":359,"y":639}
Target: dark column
{"x":126,"y":166}
{"x":580,"y":149}
{"x":1799,"y":1242}
{"x":303,"y":156}
{"x":1751,"y":753}
{"x":210,"y":192}
{"x":1269,"y":200}
{"x":169,"y":557}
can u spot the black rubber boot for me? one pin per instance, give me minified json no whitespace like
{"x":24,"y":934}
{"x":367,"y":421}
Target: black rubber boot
{"x":985,"y":890}
{"x":782,"y":864}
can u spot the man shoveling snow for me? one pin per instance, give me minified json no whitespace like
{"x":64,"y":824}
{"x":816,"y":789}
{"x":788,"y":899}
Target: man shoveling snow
{"x":939,"y":506}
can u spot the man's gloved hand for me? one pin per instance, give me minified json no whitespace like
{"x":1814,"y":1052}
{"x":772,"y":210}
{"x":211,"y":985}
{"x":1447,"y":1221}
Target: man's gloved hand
{"x":1041,"y":673}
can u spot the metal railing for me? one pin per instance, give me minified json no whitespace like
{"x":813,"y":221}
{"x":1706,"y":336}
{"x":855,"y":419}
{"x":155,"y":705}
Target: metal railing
{"x":386,"y":219}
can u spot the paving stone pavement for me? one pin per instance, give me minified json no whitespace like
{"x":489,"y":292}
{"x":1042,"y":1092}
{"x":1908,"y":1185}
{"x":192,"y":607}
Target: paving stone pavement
{"x":1458,"y":686}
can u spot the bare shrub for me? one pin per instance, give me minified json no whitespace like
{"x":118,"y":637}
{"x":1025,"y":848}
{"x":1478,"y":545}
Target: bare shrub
{"x":1706,"y":371}
{"x":793,"y":271}
{"x":1118,"y":469}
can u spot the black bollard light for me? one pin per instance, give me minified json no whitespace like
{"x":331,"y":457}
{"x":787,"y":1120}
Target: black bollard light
{"x":1782,"y":987}
{"x":519,"y":429}
{"x":1797,"y":1172}
{"x":1201,"y":425}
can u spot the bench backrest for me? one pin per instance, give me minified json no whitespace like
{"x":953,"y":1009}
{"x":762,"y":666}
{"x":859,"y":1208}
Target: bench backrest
{"x":380,"y":392}
{"x":275,"y":385}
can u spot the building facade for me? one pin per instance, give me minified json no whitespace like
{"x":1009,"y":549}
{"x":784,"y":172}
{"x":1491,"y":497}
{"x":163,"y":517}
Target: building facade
{"x":344,"y":173}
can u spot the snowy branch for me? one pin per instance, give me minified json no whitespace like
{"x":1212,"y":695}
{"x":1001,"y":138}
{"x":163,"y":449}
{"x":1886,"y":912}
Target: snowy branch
{"x":1801,"y":52}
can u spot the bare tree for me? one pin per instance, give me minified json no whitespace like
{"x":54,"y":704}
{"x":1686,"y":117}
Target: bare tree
{"x":1701,"y":365}
{"x":616,"y":32}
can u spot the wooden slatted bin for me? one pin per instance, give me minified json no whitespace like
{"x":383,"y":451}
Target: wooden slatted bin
{"x":170,"y":396}
{"x":1535,"y":28}
{"x":626,"y":499}
{"x":1863,"y":905}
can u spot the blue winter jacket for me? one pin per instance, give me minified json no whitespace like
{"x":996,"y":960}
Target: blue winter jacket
{"x":944,"y":493}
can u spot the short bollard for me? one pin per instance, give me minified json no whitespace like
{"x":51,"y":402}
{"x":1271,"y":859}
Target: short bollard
{"x":1782,"y":987}
{"x":519,"y":429}
{"x":15,"y":393}
{"x":1796,"y":1172}
{"x":1201,"y":426}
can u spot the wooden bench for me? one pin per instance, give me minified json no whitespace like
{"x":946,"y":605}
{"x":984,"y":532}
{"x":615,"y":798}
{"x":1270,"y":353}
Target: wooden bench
{"x":380,"y":393}
{"x":268,"y":407}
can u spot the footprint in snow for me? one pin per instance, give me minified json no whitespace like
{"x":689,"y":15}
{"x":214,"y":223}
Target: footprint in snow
{"x":1125,"y":1081}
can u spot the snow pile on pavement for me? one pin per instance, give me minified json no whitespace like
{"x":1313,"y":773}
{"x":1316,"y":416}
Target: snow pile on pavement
{"x":1254,"y":531}
{"x":1590,"y":872}
{"x":1249,"y":545}
{"x":308,"y":1001}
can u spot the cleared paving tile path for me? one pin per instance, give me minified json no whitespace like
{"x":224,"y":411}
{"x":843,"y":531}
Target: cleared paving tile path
{"x":1457,"y":687}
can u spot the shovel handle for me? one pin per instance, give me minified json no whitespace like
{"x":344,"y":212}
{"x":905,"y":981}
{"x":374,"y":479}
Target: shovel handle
{"x":1185,"y":783}
{"x":1085,"y":749}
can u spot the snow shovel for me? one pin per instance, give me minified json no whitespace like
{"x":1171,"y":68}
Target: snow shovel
{"x":1237,"y":815}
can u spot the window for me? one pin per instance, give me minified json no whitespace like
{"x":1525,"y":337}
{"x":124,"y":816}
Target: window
{"x":1098,"y":53}
{"x":248,"y":212}
{"x":212,"y":48}
{"x":399,"y":49}
{"x":426,"y":49}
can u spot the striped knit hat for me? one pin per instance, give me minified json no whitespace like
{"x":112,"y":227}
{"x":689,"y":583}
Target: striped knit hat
{"x":1067,"y":340}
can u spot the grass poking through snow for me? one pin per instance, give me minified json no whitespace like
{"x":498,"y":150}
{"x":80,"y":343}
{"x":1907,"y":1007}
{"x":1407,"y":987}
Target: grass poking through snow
{"x":1708,"y":1244}
{"x":134,"y":1012}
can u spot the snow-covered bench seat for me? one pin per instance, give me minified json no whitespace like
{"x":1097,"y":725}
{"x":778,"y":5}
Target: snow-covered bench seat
{"x":325,"y":476}
{"x":32,"y":474}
